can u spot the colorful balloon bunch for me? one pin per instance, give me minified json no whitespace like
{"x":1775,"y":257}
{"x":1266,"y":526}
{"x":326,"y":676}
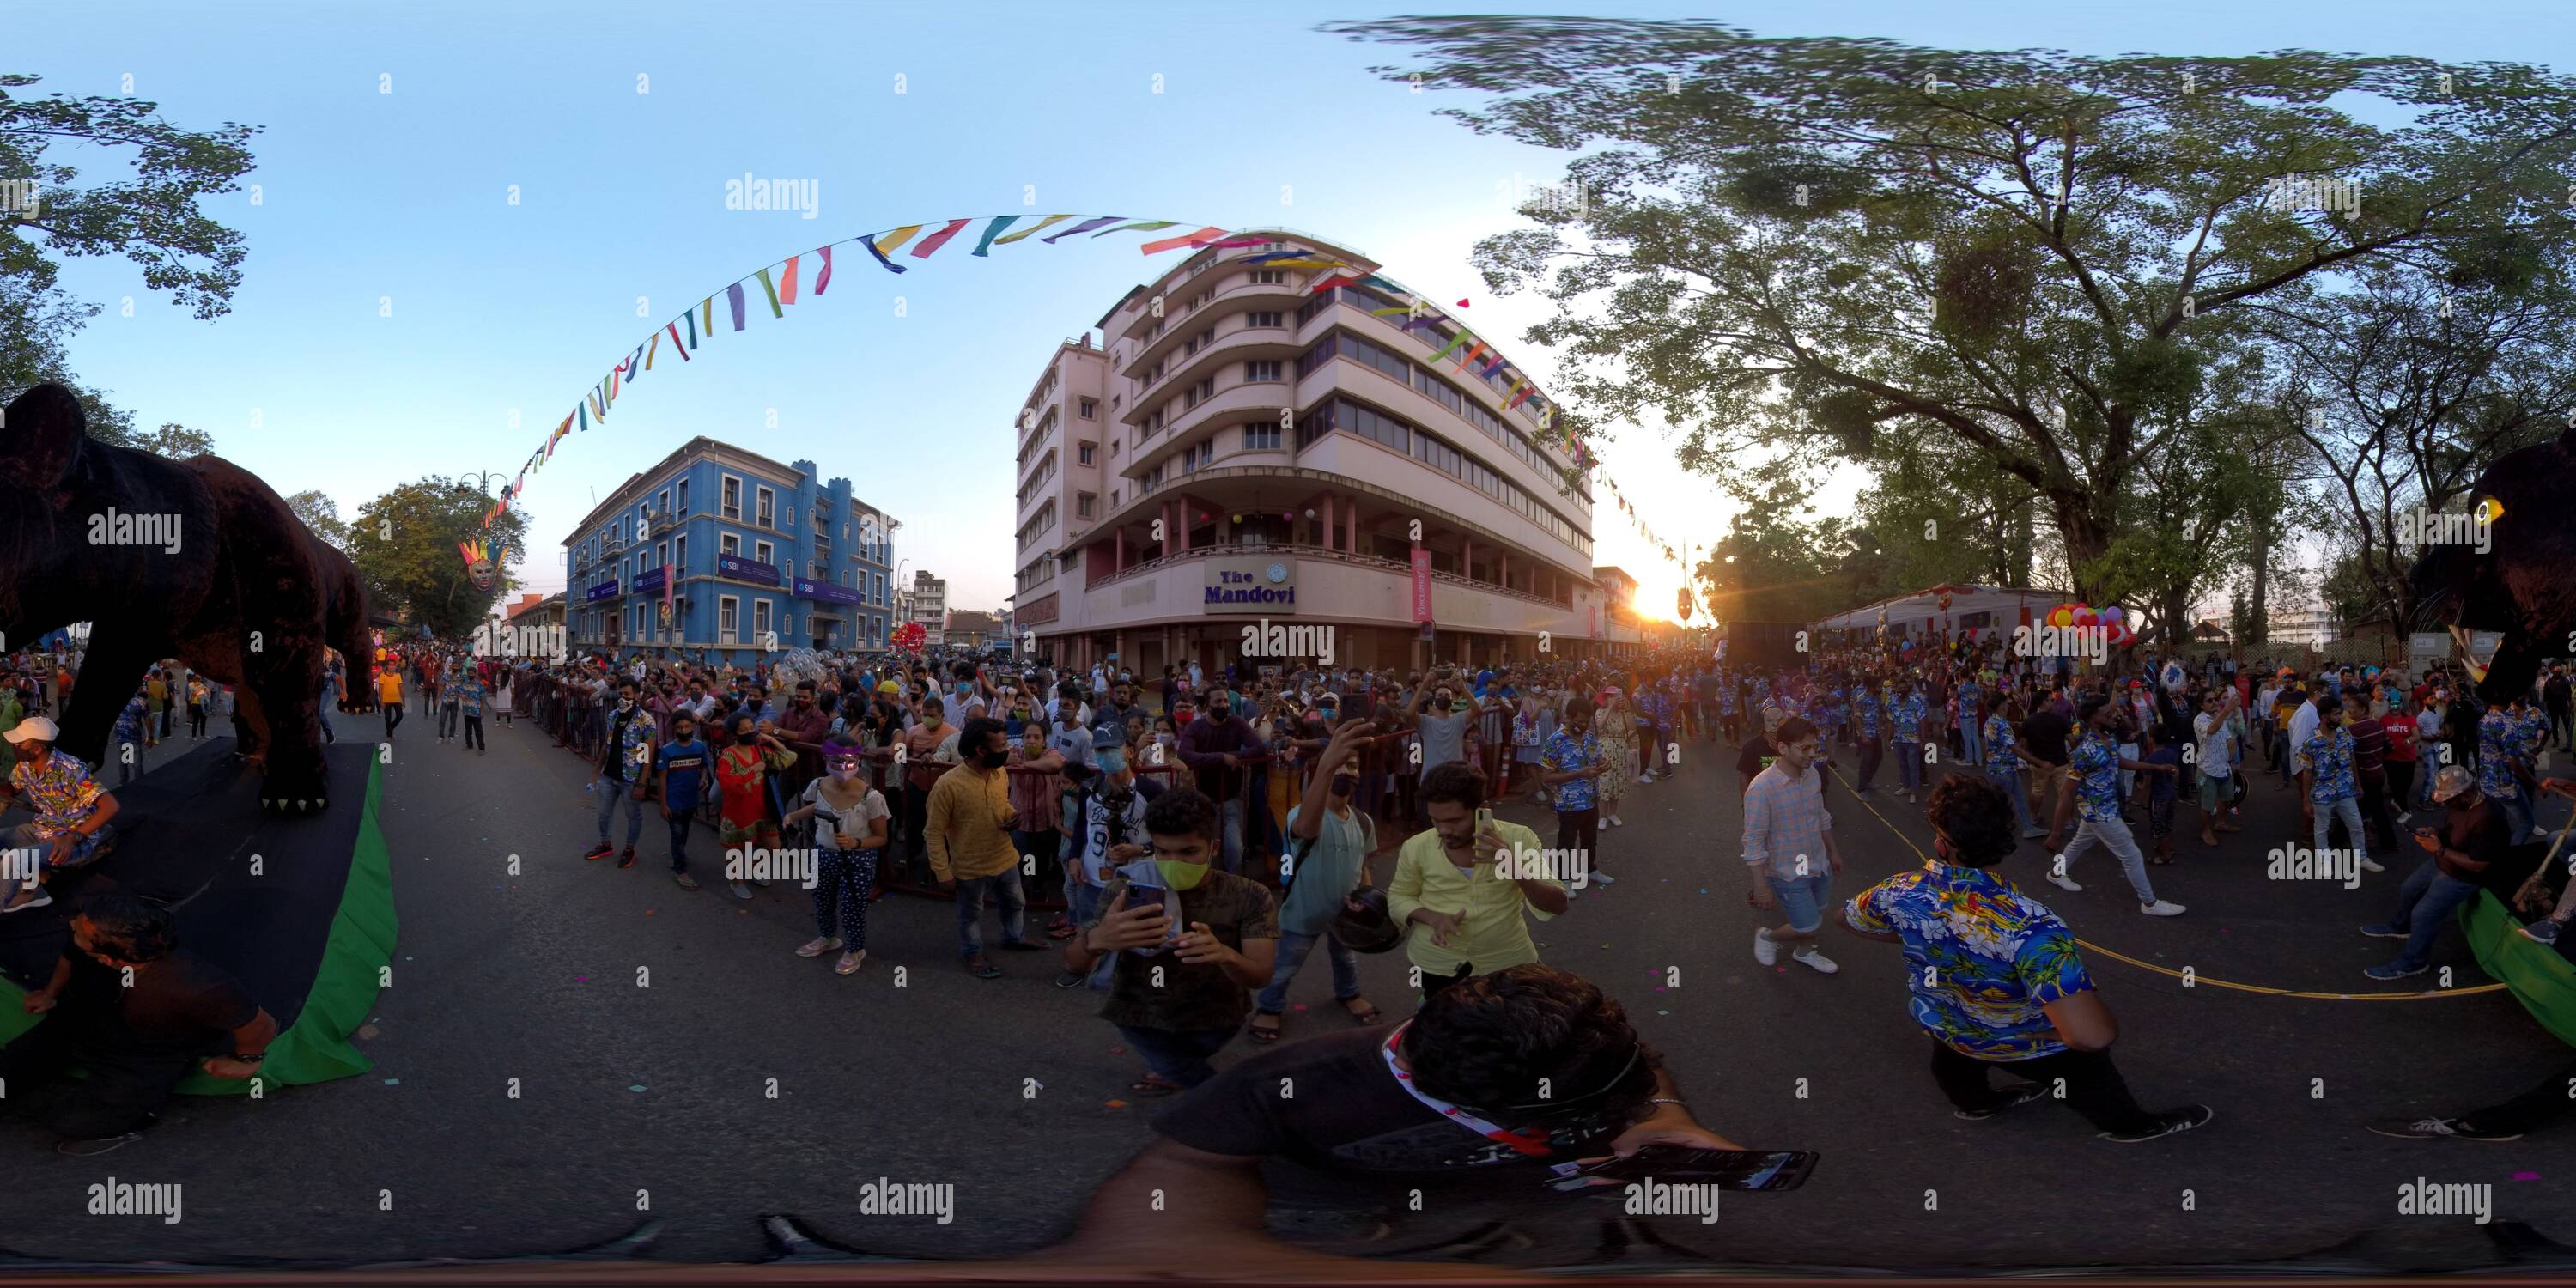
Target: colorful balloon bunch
{"x":909,"y":637}
{"x":2111,"y":618}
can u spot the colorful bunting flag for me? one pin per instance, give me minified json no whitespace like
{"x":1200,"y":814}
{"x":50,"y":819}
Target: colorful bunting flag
{"x":1196,"y":239}
{"x":1000,"y":222}
{"x":1083,"y":227}
{"x":772,"y":288}
{"x":787,"y":282}
{"x":1033,"y":229}
{"x":824,"y":278}
{"x":733,"y":297}
{"x":930,"y":245}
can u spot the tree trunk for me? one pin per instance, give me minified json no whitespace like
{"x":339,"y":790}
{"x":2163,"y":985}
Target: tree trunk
{"x":2259,"y":629}
{"x":2084,"y":526}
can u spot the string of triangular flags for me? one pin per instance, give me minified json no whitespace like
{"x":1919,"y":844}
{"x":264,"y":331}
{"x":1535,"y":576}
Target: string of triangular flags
{"x":779,"y":284}
{"x":1628,"y":509}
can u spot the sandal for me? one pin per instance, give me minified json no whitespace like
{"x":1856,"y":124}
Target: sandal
{"x":1365,"y":1016}
{"x":1265,"y":1034}
{"x":982,"y":967}
{"x":1153,"y":1085}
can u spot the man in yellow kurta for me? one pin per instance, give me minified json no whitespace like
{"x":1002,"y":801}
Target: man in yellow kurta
{"x":1461,"y":889}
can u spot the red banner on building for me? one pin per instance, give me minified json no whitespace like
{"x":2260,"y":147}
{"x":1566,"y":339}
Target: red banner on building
{"x":1421,"y":584}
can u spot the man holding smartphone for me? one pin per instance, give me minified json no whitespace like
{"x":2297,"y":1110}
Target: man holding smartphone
{"x":2474,"y":836}
{"x":1996,"y":979}
{"x":1461,"y":887}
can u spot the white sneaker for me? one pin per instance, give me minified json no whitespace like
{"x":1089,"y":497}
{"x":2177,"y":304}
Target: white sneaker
{"x":2063,"y":882}
{"x":1765,"y":950}
{"x":2369,"y":864}
{"x":1616,"y":821}
{"x":1816,"y":959}
{"x":2161,"y":908}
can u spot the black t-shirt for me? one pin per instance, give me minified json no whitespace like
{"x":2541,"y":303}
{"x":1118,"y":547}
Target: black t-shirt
{"x":2486,"y":836}
{"x":1331,"y":1102}
{"x":2043,"y":735}
{"x":181,"y":1006}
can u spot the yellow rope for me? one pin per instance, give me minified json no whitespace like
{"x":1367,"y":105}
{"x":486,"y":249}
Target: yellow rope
{"x":2196,"y":979}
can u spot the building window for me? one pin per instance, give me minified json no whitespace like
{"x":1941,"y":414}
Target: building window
{"x":684,"y":496}
{"x":731,"y":506}
{"x":1082,"y":505}
{"x":728,"y":543}
{"x":1264,"y":320}
{"x":1113,"y":498}
{"x":680,"y":551}
{"x":662,"y":501}
{"x":1087,"y":408}
{"x":760,"y":621}
{"x":763,"y":552}
{"x":764,"y":512}
{"x":1269,"y":277}
{"x":1199,"y":393}
{"x":1261,"y":436}
{"x":1089,"y":451}
{"x":1194,"y":456}
{"x":1261,"y":373}
{"x":728,"y":619}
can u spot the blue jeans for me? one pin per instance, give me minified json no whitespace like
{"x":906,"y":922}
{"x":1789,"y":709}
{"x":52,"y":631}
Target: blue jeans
{"x":1968,"y":748}
{"x":1909,"y":765}
{"x":2518,"y":811}
{"x":2424,"y":905}
{"x":1009,"y":899}
{"x":1180,"y":1057}
{"x":612,"y":791}
{"x":1293,"y":948}
{"x":2008,"y":781}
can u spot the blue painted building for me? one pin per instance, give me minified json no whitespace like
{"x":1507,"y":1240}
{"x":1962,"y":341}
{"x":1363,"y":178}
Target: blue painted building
{"x":719,"y":548}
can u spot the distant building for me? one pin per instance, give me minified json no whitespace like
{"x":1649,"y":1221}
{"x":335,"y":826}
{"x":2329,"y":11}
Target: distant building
{"x":763,"y":553}
{"x":927,"y":603}
{"x":2311,"y":626}
{"x":970,"y":629}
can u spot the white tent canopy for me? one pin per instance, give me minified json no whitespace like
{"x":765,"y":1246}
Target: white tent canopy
{"x":1971,"y":607}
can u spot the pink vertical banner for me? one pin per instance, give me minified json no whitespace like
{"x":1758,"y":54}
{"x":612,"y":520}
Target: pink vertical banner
{"x":1421,"y":584}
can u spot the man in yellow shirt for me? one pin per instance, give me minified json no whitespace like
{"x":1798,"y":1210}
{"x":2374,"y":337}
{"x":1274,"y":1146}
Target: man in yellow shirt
{"x":389,"y":694}
{"x":1461,"y":887}
{"x":967,"y":821}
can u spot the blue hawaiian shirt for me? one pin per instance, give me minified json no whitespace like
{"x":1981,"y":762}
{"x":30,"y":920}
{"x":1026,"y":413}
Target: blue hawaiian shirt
{"x":1908,"y":716}
{"x":2329,"y":753}
{"x":2095,"y":762}
{"x":2000,"y":756}
{"x":1867,"y":707}
{"x":2500,"y":739}
{"x":634,"y":750}
{"x":129,"y":724}
{"x":1568,"y":751}
{"x":1982,"y":960}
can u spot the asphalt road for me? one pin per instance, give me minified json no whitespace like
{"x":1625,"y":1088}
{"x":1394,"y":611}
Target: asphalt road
{"x":738,"y":1081}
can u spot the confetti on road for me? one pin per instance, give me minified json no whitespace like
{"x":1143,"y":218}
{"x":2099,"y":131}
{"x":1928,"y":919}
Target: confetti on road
{"x":581,"y":979}
{"x":1113,"y":1104}
{"x":1663,"y":1012}
{"x":393,"y":1082}
{"x":637,"y":1087}
{"x":367,"y":1030}
{"x":2526,"y":1176}
{"x":1301,"y":1006}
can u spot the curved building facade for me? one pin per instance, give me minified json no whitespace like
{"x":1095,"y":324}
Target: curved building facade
{"x":1241,"y":451}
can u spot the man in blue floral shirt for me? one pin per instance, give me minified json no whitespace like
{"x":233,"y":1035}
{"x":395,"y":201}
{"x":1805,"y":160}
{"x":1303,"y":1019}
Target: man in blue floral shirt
{"x":132,"y":734}
{"x":2504,"y":738}
{"x":1905,"y":720}
{"x":2003,"y":763}
{"x":2095,"y":764}
{"x":1572,"y":764}
{"x":71,"y":808}
{"x":2328,"y":777}
{"x":1996,"y":980}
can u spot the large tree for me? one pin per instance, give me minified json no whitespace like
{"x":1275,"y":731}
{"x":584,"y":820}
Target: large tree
{"x":1789,"y":245}
{"x":148,"y":213}
{"x":321,"y":514}
{"x":405,"y":546}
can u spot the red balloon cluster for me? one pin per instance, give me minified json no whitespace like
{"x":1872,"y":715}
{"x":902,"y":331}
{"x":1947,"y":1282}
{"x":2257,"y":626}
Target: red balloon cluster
{"x":2112,"y":619}
{"x":909,"y":637}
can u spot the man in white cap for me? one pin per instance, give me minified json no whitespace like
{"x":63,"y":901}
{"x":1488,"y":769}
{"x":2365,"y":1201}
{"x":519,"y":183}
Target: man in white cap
{"x":72,"y":814}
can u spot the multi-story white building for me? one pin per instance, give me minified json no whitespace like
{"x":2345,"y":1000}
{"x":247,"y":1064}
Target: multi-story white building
{"x":927,"y":603}
{"x":2311,"y":625}
{"x":1239,"y":448}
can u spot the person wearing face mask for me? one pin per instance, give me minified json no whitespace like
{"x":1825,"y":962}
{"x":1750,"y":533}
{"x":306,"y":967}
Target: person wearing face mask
{"x":1330,"y":843}
{"x":680,"y":772}
{"x":806,"y":723}
{"x":1190,"y":945}
{"x":1443,"y":729}
{"x":622,"y":771}
{"x":742,"y":775}
{"x":1217,"y":746}
{"x":1996,"y":978}
{"x":928,"y":749}
{"x":1109,"y":721}
{"x":969,"y":820}
{"x":849,"y":833}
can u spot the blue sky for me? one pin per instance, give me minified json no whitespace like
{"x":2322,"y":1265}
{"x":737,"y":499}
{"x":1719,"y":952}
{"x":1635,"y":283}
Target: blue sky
{"x":367,"y":197}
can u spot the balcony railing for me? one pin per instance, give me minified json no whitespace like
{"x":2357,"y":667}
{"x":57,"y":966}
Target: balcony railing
{"x":1345,"y":557}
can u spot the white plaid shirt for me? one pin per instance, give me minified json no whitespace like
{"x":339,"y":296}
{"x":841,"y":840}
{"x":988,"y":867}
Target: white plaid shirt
{"x":1785,"y":824}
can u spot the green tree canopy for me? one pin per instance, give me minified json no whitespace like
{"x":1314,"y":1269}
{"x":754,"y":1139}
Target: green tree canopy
{"x":405,"y":546}
{"x":1796,"y":245}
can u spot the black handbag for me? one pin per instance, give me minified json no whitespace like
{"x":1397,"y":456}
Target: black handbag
{"x":1369,"y":928}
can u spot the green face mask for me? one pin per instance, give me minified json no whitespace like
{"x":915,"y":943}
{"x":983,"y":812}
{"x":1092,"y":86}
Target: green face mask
{"x":1182,"y":876}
